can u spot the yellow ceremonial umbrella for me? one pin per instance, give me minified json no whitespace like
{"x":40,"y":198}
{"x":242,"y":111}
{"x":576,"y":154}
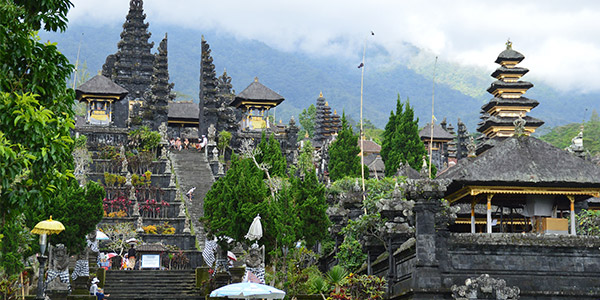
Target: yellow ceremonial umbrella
{"x":44,"y":228}
{"x":48,"y":227}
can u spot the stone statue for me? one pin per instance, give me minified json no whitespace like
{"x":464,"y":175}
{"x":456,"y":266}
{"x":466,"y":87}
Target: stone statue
{"x":212,"y":134}
{"x":168,"y":166}
{"x":128,"y":182}
{"x":485,"y":287}
{"x":163,"y":152}
{"x":172,"y":181}
{"x":140,"y":223}
{"x":162,"y":129}
{"x":186,"y":226}
{"x":220,"y":171}
{"x":256,"y":256}
{"x":181,"y":209}
{"x":471,"y":147}
{"x":58,"y":267}
{"x":215,"y":154}
{"x":124,"y":165}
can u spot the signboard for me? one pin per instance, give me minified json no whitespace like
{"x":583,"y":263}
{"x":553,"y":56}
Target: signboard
{"x":150,"y":261}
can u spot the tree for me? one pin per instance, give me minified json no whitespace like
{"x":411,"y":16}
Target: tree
{"x":35,"y":113}
{"x":270,"y":154}
{"x":401,"y":141}
{"x":311,"y":206}
{"x":307,"y":120}
{"x":343,"y":153}
{"x":234,"y":200}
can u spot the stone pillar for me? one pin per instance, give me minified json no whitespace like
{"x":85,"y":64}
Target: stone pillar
{"x":427,"y":277}
{"x":572,"y":199}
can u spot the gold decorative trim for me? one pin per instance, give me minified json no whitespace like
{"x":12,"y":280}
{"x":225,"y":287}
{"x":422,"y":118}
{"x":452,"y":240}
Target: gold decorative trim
{"x":477,"y":190}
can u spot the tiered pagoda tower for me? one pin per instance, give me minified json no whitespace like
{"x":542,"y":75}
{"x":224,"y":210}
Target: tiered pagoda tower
{"x":462,"y":140}
{"x":132,"y":66}
{"x":326,"y":124}
{"x":156,"y":108}
{"x":228,"y":117}
{"x":508,"y":103}
{"x":208,"y":90}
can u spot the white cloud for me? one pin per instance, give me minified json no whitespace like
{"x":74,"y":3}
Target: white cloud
{"x":558,"y":38}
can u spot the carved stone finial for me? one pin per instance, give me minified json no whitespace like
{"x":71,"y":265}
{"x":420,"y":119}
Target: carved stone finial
{"x":163,"y":153}
{"x":168,"y":166}
{"x":136,"y":208}
{"x":471,"y":147}
{"x":172,"y":180}
{"x":181,"y":209}
{"x":255,"y":79}
{"x":508,"y":44}
{"x":212,"y":134}
{"x":519,"y":126}
{"x":221,"y":171}
{"x":162,"y":129}
{"x":425,"y":168}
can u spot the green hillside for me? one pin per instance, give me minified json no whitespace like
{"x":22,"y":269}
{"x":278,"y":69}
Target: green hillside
{"x":460,"y":91}
{"x":561,"y":136}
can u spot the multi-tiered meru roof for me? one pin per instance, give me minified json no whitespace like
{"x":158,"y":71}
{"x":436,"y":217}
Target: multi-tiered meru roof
{"x":508,"y":104}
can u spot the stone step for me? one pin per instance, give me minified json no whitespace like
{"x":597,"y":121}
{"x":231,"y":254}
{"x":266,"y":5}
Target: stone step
{"x":151,"y":284}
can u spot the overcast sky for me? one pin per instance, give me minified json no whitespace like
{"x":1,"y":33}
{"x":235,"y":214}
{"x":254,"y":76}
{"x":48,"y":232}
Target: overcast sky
{"x":560,"y":39}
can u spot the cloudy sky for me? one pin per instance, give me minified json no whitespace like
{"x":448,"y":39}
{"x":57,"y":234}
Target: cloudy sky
{"x":560,"y":39}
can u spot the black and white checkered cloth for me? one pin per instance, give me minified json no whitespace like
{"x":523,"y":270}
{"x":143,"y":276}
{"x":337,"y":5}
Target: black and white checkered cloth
{"x":210,"y":246}
{"x":259,"y":272}
{"x":64,"y":276}
{"x":82,"y":268}
{"x":93,"y":245}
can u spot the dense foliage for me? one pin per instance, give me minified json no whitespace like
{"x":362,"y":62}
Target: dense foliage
{"x":270,"y":154}
{"x":401,"y":141}
{"x":561,"y":136}
{"x":307,"y":120}
{"x":343,"y":154}
{"x":35,"y":118}
{"x":588,"y":222}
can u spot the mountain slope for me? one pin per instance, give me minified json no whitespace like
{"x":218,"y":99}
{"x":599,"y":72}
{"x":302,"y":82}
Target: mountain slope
{"x":459,"y":93}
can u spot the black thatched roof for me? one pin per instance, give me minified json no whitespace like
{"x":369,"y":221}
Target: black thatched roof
{"x":438,"y":132}
{"x":257,"y":92}
{"x":522,"y":101}
{"x":523,"y":161}
{"x":183,"y":111}
{"x":507,"y":121}
{"x":509,"y":55}
{"x":498,"y":84}
{"x":514,"y":70}
{"x":100,"y":85}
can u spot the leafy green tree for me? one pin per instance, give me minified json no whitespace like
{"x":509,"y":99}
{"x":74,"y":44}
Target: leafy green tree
{"x":311,"y":207}
{"x":307,"y":120}
{"x":234,"y":200}
{"x":343,"y":154}
{"x":35,"y":114}
{"x":270,"y":154}
{"x":79,"y":209}
{"x":401,"y":141}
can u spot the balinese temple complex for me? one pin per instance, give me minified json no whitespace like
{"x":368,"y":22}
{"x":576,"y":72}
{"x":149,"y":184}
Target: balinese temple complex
{"x":255,"y":102}
{"x":327,"y":124}
{"x":508,"y":104}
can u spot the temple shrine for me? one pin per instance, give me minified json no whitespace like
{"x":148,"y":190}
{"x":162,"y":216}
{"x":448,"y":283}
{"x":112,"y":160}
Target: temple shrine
{"x":255,"y":102}
{"x":508,"y":104}
{"x":100,"y":95}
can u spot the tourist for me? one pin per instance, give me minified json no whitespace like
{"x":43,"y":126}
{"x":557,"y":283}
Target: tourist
{"x":131,"y":253}
{"x":94,"y":286}
{"x":178,"y":144}
{"x":203,"y":142}
{"x":172,"y":143}
{"x":186,"y":143}
{"x":100,"y":294}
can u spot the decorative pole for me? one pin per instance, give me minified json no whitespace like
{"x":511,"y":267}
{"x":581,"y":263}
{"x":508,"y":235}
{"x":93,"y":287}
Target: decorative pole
{"x":432,"y":116}
{"x":362,"y":154}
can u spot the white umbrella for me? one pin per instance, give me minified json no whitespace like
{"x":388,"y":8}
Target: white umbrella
{"x":248,"y":290}
{"x":255,"y":232}
{"x":131,"y":241}
{"x":101,"y":236}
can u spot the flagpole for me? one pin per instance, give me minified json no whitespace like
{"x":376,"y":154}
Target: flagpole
{"x":432,"y":116}
{"x":362,"y":153}
{"x":77,"y":62}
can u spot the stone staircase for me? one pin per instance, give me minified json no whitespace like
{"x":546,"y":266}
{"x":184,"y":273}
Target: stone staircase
{"x":151,"y":284}
{"x":193,"y":170}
